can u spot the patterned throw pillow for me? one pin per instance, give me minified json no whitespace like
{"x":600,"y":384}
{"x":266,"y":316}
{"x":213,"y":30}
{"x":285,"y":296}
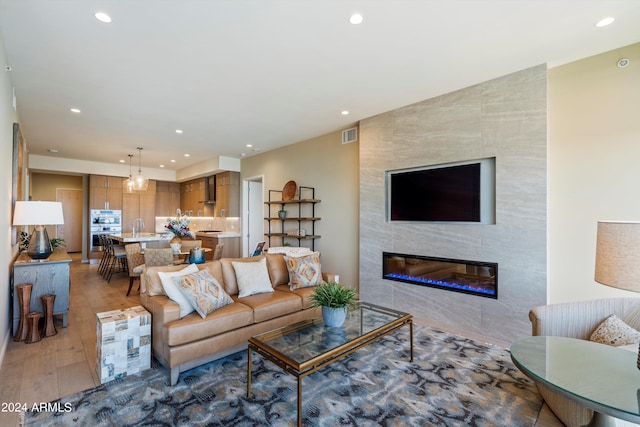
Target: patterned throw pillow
{"x":172,"y":290}
{"x":615,"y":332}
{"x":253,"y":278}
{"x":203,"y":291}
{"x":304,"y":271}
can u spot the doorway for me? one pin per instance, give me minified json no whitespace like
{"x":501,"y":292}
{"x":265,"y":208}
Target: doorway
{"x":71,"y":230}
{"x":254,"y":214}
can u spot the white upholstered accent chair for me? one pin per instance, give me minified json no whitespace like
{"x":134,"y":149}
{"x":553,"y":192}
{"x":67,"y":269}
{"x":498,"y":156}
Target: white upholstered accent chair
{"x":578,"y":320}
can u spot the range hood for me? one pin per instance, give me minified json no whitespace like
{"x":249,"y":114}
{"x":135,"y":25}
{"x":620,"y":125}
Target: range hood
{"x":210,"y":190}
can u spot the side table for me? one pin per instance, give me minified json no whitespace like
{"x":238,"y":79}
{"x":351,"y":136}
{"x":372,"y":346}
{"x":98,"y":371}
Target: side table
{"x":597,"y":376}
{"x":123,"y":343}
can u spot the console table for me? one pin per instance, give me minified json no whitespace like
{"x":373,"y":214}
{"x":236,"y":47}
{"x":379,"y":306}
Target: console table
{"x":49,"y":276}
{"x":597,"y":376}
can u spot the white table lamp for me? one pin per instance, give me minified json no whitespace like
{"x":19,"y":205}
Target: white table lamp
{"x":38,"y":214}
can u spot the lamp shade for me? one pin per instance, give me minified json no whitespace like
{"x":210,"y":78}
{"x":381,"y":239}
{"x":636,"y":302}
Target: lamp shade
{"x":618,"y":254}
{"x":38,"y":213}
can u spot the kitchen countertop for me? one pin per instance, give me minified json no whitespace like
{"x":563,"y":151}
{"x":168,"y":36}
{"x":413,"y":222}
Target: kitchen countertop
{"x":138,"y":237}
{"x":218,"y":234}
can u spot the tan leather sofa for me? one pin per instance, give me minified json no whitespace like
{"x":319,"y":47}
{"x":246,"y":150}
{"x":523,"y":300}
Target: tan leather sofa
{"x":578,"y":320}
{"x":182,"y":344}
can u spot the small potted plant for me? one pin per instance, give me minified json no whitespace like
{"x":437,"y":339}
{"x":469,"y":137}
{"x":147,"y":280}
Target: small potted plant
{"x":334,"y":299}
{"x":282,"y":213}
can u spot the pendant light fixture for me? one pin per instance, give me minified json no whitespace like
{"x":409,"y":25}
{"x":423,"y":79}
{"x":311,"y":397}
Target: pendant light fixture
{"x":140,"y":183}
{"x":128,"y":184}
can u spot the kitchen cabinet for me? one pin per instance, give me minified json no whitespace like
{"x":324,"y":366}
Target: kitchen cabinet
{"x":227,"y":194}
{"x":105,"y":192}
{"x":50,"y":276}
{"x":167,"y":198}
{"x":140,"y":204}
{"x":192,"y":196}
{"x":231,"y":248}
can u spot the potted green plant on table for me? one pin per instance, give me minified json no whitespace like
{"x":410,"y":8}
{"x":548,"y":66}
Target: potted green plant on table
{"x":334,"y":299}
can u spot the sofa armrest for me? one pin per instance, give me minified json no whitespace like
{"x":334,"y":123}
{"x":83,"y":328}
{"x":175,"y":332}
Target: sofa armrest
{"x":580,"y":318}
{"x":161,"y":308}
{"x":163,"y":311}
{"x":330,"y":277}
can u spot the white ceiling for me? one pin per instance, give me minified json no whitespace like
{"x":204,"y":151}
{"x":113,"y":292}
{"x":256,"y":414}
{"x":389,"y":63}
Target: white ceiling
{"x":267,"y":72}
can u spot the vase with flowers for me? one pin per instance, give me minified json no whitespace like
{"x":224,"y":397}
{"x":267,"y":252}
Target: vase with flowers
{"x":179,"y":226}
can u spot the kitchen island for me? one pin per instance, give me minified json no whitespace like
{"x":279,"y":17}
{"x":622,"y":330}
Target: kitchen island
{"x":231,"y":240}
{"x":125,"y":238}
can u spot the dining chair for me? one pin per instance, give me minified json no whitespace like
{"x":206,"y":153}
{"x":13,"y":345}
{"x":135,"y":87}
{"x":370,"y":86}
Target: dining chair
{"x":217,"y":253}
{"x":135,"y":263}
{"x":187,"y":245}
{"x":158,"y":257}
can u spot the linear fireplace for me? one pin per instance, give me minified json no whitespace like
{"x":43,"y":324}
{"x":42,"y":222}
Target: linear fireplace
{"x":469,"y":277}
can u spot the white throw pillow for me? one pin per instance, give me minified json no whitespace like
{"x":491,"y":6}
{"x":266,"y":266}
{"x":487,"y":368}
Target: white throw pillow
{"x":252,"y":277}
{"x":613,"y":331}
{"x":171,"y":289}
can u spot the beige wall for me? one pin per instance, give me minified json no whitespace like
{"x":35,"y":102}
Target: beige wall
{"x":332,"y":168}
{"x":44,"y":186}
{"x":594,"y":165}
{"x":7,"y":117}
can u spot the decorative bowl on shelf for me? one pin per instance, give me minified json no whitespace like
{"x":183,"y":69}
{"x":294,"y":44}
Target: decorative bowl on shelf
{"x":289,"y":191}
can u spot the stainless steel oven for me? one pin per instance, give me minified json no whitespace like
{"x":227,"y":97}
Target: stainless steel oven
{"x":104,"y":222}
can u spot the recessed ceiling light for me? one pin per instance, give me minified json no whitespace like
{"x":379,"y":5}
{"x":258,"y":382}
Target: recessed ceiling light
{"x":604,"y":22}
{"x":52,"y":150}
{"x":178,"y":130}
{"x":172,"y":161}
{"x":103,"y":17}
{"x":356,"y":19}
{"x":75,"y":110}
{"x":344,"y":112}
{"x":187,"y":155}
{"x":249,"y":145}
{"x":623,"y":63}
{"x":161,"y":166}
{"x":243,"y":154}
{"x":121,"y":161}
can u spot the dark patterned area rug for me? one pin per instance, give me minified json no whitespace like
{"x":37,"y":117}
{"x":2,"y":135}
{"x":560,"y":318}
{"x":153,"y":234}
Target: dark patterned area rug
{"x":453,"y":381}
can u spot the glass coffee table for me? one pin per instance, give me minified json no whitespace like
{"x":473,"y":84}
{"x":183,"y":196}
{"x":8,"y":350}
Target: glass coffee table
{"x":305,"y":347}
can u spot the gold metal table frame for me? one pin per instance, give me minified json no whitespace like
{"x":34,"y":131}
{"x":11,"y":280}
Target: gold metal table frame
{"x":305,"y":347}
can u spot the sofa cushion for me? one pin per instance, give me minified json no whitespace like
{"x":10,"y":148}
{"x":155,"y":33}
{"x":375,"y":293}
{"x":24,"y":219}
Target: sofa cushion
{"x":171,"y":289}
{"x":229,"y":274}
{"x":252,"y":278}
{"x":613,"y":331}
{"x":193,"y":328}
{"x":277,"y":269}
{"x":304,"y":293}
{"x":304,"y":271}
{"x":203,"y":292}
{"x":271,"y":305}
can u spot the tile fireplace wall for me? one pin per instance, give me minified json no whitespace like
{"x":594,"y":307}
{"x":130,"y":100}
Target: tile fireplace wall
{"x":505,"y":118}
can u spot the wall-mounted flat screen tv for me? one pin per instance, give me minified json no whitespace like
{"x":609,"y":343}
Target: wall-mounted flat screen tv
{"x":461,"y":192}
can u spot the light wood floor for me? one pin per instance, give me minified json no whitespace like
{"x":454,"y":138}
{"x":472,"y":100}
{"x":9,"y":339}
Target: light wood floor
{"x":65,"y":363}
